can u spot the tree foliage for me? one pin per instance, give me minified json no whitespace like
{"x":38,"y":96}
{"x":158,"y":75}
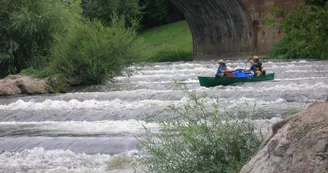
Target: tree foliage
{"x":27,"y":27}
{"x":91,"y":52}
{"x":316,"y":2}
{"x":151,"y":12}
{"x":306,"y":30}
{"x":158,"y":12}
{"x":103,"y":9}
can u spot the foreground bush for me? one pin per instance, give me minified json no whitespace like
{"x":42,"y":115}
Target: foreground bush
{"x":199,"y":139}
{"x":90,"y":52}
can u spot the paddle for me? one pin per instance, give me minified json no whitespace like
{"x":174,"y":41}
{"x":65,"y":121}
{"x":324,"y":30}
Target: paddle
{"x":247,"y":61}
{"x":246,"y":64}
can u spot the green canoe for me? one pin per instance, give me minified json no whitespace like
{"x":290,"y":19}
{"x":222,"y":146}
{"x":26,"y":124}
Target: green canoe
{"x":215,"y":81}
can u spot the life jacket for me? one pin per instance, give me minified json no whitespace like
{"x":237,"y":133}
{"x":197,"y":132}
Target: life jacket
{"x":221,"y":67}
{"x":257,"y":67}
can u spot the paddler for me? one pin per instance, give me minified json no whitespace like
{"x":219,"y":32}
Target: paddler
{"x":222,"y":69}
{"x":256,"y":68}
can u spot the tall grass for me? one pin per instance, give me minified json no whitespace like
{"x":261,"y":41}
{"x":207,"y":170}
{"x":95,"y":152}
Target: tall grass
{"x":199,"y":138}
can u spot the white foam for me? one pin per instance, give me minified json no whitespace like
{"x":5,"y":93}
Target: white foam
{"x":301,"y":61}
{"x":306,"y":71}
{"x":160,"y":82}
{"x":304,"y":78}
{"x":73,"y":104}
{"x":280,"y":88}
{"x":176,"y":71}
{"x":247,"y":101}
{"x":40,"y":160}
{"x":293,"y":62}
{"x":137,"y":91}
{"x":262,"y":126}
{"x":106,"y":127}
{"x":117,"y":104}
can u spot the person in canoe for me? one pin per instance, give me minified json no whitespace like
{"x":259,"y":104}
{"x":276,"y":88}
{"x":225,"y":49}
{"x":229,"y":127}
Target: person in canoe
{"x":256,"y":68}
{"x":223,"y":70}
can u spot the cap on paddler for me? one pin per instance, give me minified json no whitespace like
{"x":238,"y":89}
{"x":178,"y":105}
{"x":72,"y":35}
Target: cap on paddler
{"x":221,"y":61}
{"x":255,"y":57}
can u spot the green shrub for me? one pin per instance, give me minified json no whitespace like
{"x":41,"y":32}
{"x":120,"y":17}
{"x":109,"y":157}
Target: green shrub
{"x":26,"y":30}
{"x":102,"y":10}
{"x":91,"y":52}
{"x":306,"y":30}
{"x":37,"y":73}
{"x":159,"y":12}
{"x":199,"y":138}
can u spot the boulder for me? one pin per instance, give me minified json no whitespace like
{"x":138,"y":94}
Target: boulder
{"x":295,"y":145}
{"x":17,"y":84}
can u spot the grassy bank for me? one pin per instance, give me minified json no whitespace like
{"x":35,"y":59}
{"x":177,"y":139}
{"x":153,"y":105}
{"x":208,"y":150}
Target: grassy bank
{"x":172,"y":42}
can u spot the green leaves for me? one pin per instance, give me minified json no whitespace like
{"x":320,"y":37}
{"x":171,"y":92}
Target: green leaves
{"x":306,"y":32}
{"x":27,"y":29}
{"x":199,"y":138}
{"x":91,"y":52}
{"x":103,"y":9}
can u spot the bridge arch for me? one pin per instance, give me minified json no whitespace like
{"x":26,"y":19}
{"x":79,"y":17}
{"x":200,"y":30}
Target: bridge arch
{"x":231,"y":28}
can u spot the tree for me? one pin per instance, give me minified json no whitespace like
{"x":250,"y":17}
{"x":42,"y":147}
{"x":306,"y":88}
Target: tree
{"x":27,"y":27}
{"x":151,"y":12}
{"x":306,"y":31}
{"x":91,"y":52}
{"x":158,"y":12}
{"x":103,"y":9}
{"x":316,"y":2}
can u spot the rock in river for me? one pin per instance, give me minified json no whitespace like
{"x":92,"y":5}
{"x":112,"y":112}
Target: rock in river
{"x":17,"y":84}
{"x":297,"y":144}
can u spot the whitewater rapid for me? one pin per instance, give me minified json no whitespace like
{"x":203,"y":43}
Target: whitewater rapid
{"x":93,"y":129}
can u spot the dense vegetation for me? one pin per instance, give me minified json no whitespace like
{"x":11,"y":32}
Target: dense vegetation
{"x":159,"y":12}
{"x":306,"y":32}
{"x":150,"y":12}
{"x":77,"y":39}
{"x":103,"y":9}
{"x":200,"y":139}
{"x":26,"y":31}
{"x":90,"y":52}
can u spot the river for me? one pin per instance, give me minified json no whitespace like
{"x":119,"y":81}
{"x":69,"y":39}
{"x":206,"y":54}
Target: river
{"x":93,"y":129}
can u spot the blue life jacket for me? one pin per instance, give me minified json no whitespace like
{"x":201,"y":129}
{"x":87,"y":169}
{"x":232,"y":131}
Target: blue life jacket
{"x":221,"y":67}
{"x":254,"y":67}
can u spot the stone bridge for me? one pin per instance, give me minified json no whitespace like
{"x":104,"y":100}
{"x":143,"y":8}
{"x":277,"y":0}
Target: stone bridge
{"x":231,"y":28}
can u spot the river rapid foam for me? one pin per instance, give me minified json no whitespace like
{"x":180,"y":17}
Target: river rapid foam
{"x":93,"y":129}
